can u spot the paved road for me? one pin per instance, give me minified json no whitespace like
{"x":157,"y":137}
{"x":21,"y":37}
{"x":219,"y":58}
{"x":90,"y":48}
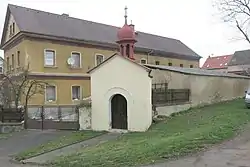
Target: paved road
{"x":234,"y":153}
{"x":23,"y":140}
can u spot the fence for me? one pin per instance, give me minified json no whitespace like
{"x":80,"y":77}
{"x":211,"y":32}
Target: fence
{"x":11,"y":115}
{"x":163,"y":96}
{"x":53,"y":117}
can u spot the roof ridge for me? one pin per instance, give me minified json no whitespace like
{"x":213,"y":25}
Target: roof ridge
{"x":219,"y":56}
{"x":37,"y":10}
{"x":242,"y":50}
{"x":15,"y":6}
{"x":42,"y":11}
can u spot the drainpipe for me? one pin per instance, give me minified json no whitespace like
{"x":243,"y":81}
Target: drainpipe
{"x":149,"y":54}
{"x":149,"y":73}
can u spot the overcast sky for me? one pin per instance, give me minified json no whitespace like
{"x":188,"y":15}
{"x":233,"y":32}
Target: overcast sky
{"x":194,"y":22}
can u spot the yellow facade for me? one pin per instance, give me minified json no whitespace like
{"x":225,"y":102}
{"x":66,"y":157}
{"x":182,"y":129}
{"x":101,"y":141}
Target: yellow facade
{"x":63,"y":92}
{"x":31,"y":51}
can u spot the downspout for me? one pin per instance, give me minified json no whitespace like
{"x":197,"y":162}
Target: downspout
{"x":149,"y":73}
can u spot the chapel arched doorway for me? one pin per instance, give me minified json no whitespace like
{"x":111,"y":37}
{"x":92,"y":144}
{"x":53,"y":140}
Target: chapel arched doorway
{"x":119,"y":116}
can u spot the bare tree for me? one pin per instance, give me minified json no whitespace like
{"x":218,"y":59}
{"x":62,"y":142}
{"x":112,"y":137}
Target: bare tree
{"x":236,"y":12}
{"x":19,"y":86}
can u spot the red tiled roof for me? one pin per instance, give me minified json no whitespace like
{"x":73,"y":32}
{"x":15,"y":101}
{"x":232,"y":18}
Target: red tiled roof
{"x":217,"y":62}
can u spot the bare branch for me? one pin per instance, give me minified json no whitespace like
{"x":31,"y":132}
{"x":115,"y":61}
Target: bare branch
{"x":236,"y":12}
{"x":20,"y":85}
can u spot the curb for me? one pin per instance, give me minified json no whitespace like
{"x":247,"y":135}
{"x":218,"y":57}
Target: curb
{"x":29,"y":163}
{"x":13,"y":160}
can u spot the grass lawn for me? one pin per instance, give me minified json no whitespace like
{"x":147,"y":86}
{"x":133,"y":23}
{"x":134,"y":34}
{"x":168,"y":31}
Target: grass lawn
{"x":63,"y":141}
{"x":179,"y":135}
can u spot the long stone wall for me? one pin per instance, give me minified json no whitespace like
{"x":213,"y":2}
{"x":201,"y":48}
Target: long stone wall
{"x":204,"y":89}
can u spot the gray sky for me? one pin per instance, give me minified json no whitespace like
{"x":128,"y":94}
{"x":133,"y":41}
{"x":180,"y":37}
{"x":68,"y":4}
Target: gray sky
{"x":194,"y":22}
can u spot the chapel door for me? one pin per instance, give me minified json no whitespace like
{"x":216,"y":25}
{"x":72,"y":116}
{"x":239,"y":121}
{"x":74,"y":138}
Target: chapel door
{"x":119,"y":112}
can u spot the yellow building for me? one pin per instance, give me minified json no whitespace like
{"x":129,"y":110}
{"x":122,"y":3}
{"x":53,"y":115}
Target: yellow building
{"x":61,"y":49}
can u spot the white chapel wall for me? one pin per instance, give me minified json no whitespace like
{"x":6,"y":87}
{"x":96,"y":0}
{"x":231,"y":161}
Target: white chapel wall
{"x":119,"y":76}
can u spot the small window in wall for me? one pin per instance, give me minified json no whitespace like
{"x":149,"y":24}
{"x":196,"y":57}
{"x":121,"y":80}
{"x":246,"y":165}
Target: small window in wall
{"x":191,"y":66}
{"x":170,"y":64}
{"x":10,"y":30}
{"x":98,"y":59}
{"x":143,"y":61}
{"x":76,"y":56}
{"x":13,"y":61}
{"x":13,"y":28}
{"x":181,"y":65}
{"x":49,"y":57}
{"x":76,"y":93}
{"x":157,"y":63}
{"x":8,"y":63}
{"x":18,"y":58}
{"x":50,"y":93}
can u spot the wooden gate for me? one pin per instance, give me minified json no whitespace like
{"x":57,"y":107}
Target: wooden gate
{"x":53,"y":117}
{"x":119,"y":112}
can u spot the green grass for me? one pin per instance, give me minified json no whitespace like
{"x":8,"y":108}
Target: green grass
{"x":182,"y":134}
{"x":63,"y":141}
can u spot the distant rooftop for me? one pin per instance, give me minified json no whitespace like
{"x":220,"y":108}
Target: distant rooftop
{"x":217,"y":62}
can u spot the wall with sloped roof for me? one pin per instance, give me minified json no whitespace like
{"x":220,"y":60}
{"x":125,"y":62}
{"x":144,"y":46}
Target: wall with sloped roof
{"x":204,"y":89}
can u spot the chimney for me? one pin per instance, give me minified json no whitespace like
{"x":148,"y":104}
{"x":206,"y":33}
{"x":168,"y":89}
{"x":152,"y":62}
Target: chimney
{"x":66,"y":15}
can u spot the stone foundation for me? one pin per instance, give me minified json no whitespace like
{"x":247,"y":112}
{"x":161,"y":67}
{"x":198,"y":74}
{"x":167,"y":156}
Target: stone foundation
{"x":9,"y":127}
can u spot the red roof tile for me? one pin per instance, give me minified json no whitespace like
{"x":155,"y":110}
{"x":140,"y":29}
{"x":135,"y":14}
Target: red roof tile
{"x":217,"y":62}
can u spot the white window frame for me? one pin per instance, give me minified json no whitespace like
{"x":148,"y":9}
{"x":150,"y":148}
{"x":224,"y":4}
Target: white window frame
{"x":72,"y":92}
{"x":44,"y":54}
{"x":45,"y":94}
{"x":80,"y":59}
{"x":98,"y":54}
{"x":143,"y":59}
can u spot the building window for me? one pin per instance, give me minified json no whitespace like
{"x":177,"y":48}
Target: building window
{"x":12,"y":61}
{"x":50,"y":93}
{"x":10,"y":30}
{"x":1,"y":65}
{"x":13,"y":28}
{"x":170,"y":64}
{"x":77,"y":59}
{"x":49,"y":58}
{"x":76,"y":93}
{"x":98,"y":59}
{"x":122,"y":50}
{"x":191,"y":66}
{"x":143,"y":61}
{"x":18,"y":58}
{"x":157,"y":63}
{"x":8,"y":63}
{"x":181,"y":65}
